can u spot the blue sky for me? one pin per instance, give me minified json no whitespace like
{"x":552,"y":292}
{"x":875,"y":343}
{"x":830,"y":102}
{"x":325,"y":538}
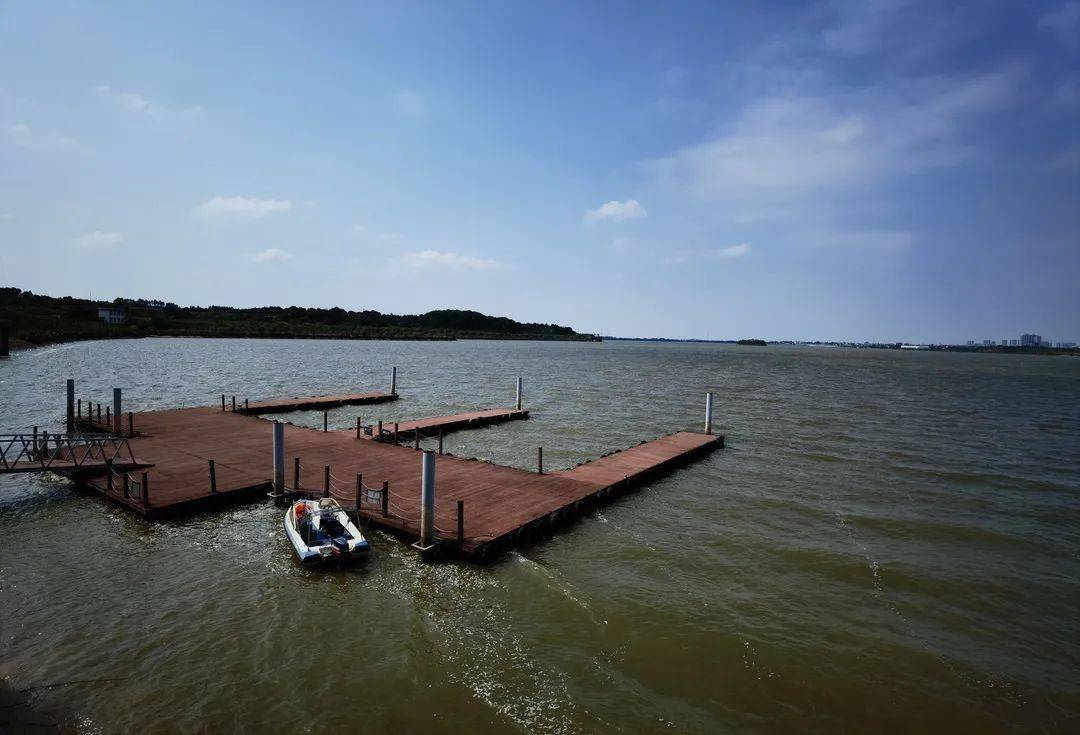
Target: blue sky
{"x":897,"y":170}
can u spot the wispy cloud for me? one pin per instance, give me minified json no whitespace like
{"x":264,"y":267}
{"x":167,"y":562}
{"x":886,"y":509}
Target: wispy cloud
{"x":734,"y":251}
{"x":141,"y":104}
{"x":616,"y":211}
{"x":449,"y":260}
{"x":21,"y":135}
{"x":730,"y":252}
{"x":245,"y":207}
{"x":1064,"y":21}
{"x":97,"y":240}
{"x":409,"y":103}
{"x":389,"y":237}
{"x":271,"y":255}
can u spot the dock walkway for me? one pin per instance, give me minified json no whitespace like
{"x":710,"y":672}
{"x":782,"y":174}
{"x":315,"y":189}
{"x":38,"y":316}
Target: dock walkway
{"x":498,"y":504}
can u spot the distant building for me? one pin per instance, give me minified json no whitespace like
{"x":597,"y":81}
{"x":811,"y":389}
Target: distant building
{"x":988,"y":342}
{"x":1004,"y":342}
{"x":1014,"y":343}
{"x":971,"y":343}
{"x":1030,"y":340}
{"x":112,"y":315}
{"x":1066,"y":345}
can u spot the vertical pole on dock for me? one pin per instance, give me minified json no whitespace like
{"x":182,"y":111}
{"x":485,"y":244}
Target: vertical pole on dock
{"x":245,"y":406}
{"x":131,"y":424}
{"x":440,"y":441}
{"x":393,"y":381}
{"x":33,"y":443}
{"x":540,"y":460}
{"x":427,"y":499}
{"x":108,"y":419}
{"x":78,"y":410}
{"x":358,"y":427}
{"x":326,"y":482}
{"x":117,"y":415}
{"x":296,"y":473}
{"x":5,"y":339}
{"x":416,"y":439}
{"x":71,"y":405}
{"x":359,"y":493}
{"x":222,"y":401}
{"x":324,"y":420}
{"x":461,"y":521}
{"x":279,"y":457}
{"x":145,"y":490}
{"x":708,"y":413}
{"x":395,"y":432}
{"x":213,"y":478}
{"x":234,"y":404}
{"x":518,"y":402}
{"x":385,"y":498}
{"x":378,"y":437}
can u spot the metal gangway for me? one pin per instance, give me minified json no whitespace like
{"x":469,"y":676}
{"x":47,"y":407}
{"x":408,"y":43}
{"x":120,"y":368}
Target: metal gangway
{"x":66,"y":453}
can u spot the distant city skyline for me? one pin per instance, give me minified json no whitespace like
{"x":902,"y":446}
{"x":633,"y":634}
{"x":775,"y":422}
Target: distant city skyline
{"x":901,"y":171}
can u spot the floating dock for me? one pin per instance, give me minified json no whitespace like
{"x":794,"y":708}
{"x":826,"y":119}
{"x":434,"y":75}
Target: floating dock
{"x":311,"y":403}
{"x":195,"y":458}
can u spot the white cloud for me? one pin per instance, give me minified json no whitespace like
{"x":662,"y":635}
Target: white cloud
{"x":1065,"y":20}
{"x":138,"y":103}
{"x":21,"y":135}
{"x":389,"y":237}
{"x":271,"y":255}
{"x":97,"y":240}
{"x":734,"y":251}
{"x":449,"y":260}
{"x":409,"y":103}
{"x":246,"y":207}
{"x":616,"y":211}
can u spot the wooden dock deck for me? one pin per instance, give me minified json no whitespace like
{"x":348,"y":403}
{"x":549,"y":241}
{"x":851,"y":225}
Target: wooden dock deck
{"x":429,"y":428}
{"x":499,"y":504}
{"x":312,"y":403}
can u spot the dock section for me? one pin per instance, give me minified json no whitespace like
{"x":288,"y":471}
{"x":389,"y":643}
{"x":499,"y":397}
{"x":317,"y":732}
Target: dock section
{"x":201,"y":457}
{"x":430,"y":428}
{"x":312,"y":403}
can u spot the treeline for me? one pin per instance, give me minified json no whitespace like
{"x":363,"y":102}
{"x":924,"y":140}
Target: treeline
{"x":38,"y":319}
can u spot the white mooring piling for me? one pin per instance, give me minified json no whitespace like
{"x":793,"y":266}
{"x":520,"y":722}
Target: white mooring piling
{"x":116,"y":409}
{"x":517,"y":401}
{"x":427,"y":499}
{"x":708,"y":413}
{"x":279,"y":457}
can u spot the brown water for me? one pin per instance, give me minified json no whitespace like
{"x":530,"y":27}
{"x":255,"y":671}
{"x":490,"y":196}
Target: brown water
{"x":890,"y":542}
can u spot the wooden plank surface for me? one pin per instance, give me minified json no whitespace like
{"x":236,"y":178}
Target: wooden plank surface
{"x":430,"y":427}
{"x":312,"y":403}
{"x":498,"y":501}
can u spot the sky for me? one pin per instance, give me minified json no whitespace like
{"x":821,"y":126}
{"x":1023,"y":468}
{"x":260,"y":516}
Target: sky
{"x":895,"y":170}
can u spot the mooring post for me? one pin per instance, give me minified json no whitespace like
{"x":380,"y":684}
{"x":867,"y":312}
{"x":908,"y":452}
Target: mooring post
{"x":5,"y":339}
{"x":279,"y":457}
{"x":245,"y":406}
{"x":71,"y":405}
{"x":461,"y":521}
{"x":33,"y":443}
{"x":222,"y":401}
{"x":358,"y":427}
{"x":99,"y":414}
{"x":324,"y":420}
{"x":131,"y":424}
{"x":296,"y":473}
{"x":708,"y":413}
{"x":393,"y":381}
{"x":518,"y":403}
{"x":440,"y":441}
{"x":326,"y":482}
{"x":427,"y":499}
{"x":416,"y":439}
{"x":145,"y":490}
{"x":540,"y":460}
{"x":213,"y":478}
{"x":395,"y":432}
{"x":78,"y":410}
{"x":378,"y":438}
{"x":385,"y":498}
{"x":359,"y":493}
{"x":116,"y":409}
{"x":108,"y":419}
{"x":234,"y":404}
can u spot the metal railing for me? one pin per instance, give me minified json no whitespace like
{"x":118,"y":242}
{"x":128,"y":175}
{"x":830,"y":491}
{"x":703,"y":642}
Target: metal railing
{"x":67,"y":452}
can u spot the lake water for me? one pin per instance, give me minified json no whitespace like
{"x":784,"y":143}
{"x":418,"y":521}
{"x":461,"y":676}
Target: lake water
{"x":889,"y":542}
